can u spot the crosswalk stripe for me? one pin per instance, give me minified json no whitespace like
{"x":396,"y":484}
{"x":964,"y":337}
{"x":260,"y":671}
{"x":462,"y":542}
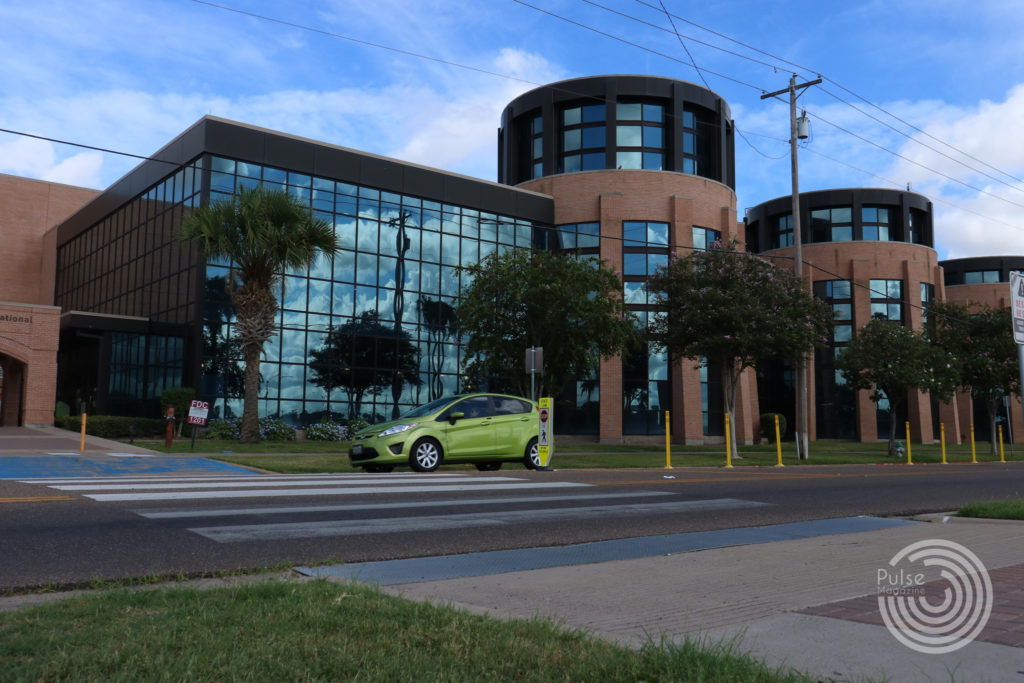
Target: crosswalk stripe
{"x":245,"y":475}
{"x":445,"y":503}
{"x":252,"y":483}
{"x":327,"y":528}
{"x":346,"y":491}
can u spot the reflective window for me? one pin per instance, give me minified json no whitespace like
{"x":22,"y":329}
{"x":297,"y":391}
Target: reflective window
{"x":705,"y":237}
{"x":782,"y":231}
{"x":887,"y":300}
{"x":639,"y":136}
{"x":832,"y":225}
{"x":875,"y":223}
{"x":976,"y":277}
{"x":583,"y":138}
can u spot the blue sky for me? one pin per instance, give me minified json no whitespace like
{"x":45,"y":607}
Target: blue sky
{"x":130,"y":75}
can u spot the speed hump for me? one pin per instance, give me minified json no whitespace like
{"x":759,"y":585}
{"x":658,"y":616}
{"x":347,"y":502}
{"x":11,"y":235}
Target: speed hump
{"x":544,"y":437}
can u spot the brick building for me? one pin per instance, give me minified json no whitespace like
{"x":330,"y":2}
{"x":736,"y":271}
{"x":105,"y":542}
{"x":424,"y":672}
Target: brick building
{"x":984,"y":281}
{"x":29,"y":322}
{"x":626,"y":168}
{"x":869,"y":253}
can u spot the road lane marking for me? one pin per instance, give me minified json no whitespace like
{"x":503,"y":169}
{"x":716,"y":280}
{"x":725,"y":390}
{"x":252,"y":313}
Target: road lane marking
{"x":246,"y":482}
{"x":350,"y":491}
{"x":36,"y":499}
{"x":241,"y":476}
{"x":450,"y":502}
{"x":327,"y":528}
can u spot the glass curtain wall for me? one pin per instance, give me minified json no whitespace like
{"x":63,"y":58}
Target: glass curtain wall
{"x":372,"y":334}
{"x":129,"y":264}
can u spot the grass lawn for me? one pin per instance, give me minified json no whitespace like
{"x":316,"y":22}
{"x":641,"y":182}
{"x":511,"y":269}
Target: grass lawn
{"x":998,"y":509}
{"x":320,"y":457}
{"x":281,"y":630}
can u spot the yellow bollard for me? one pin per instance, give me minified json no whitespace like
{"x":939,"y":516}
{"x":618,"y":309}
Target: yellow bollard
{"x":778,"y":442}
{"x":910,"y":460}
{"x":942,"y":440}
{"x":974,"y":455}
{"x":1001,"y":457}
{"x":728,"y":443}
{"x":81,"y":446}
{"x":668,"y":447}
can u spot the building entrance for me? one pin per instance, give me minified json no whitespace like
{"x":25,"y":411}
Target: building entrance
{"x":12,"y":391}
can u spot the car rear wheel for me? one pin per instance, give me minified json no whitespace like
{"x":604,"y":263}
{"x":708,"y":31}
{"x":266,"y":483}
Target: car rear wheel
{"x":426,"y":455}
{"x":488,"y":466}
{"x":532,"y":456}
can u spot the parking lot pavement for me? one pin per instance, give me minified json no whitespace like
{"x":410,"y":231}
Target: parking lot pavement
{"x":52,"y":453}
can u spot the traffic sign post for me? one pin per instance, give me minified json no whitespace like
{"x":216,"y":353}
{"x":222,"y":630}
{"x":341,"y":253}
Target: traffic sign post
{"x":197,"y":414}
{"x":534,"y":365}
{"x":545,"y":439}
{"x":1017,"y":311}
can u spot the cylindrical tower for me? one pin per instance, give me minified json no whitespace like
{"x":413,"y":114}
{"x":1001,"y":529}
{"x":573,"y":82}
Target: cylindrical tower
{"x":639,"y":167}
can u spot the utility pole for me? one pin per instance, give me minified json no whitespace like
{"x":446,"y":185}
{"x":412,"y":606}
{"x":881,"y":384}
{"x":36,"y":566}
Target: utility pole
{"x":802,"y":403}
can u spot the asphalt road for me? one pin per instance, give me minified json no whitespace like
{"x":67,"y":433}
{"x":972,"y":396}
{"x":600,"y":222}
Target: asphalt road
{"x":57,"y":533}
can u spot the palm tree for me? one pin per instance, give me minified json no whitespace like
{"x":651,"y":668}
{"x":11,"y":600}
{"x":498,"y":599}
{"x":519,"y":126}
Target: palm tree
{"x":263,"y":233}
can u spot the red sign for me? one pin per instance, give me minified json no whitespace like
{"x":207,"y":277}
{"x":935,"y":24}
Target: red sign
{"x":544,"y":415}
{"x":197,"y":413}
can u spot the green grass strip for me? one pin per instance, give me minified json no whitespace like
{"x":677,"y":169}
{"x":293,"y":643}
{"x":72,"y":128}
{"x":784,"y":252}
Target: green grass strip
{"x":997,"y":509}
{"x":281,"y":630}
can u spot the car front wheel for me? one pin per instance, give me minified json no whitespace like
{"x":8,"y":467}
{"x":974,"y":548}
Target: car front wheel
{"x":426,"y":455}
{"x":532,"y":456}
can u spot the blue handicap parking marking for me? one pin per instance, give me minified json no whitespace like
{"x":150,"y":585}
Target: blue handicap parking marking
{"x":64,"y":465}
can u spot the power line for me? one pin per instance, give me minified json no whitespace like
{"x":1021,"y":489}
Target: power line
{"x":85,"y":146}
{"x":630,"y":43}
{"x":672,"y":22}
{"x":838,"y":85}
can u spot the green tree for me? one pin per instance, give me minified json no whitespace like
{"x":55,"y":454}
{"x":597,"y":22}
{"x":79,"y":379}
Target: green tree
{"x":981,"y":340}
{"x":363,"y":357}
{"x":570,"y":307}
{"x":890,"y":361}
{"x":262,"y":233}
{"x":733,"y":310}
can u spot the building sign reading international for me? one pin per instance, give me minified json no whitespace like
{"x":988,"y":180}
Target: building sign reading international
{"x":1017,"y":304}
{"x":8,"y":318}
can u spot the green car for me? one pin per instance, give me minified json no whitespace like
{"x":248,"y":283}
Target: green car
{"x":483,"y":429}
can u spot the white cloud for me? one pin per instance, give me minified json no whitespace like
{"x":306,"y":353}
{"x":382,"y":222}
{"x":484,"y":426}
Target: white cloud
{"x":979,"y":210}
{"x":449,"y":125}
{"x":81,"y":169}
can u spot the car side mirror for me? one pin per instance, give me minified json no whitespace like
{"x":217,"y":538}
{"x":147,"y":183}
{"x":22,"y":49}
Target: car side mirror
{"x":455,"y":416}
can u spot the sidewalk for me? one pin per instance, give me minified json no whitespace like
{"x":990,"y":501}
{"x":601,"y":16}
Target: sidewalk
{"x":809,"y":604}
{"x":51,"y":440}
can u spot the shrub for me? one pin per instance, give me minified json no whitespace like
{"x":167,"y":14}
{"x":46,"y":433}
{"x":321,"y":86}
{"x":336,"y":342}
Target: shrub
{"x":62,"y":409}
{"x":768,"y":426}
{"x":354,"y":425}
{"x":326,"y":430}
{"x":227,"y":429}
{"x":114,"y":426}
{"x":271,"y":429}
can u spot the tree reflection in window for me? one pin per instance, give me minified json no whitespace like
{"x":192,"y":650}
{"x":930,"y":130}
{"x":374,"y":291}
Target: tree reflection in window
{"x":364,"y":357}
{"x":441,"y":323}
{"x":223,"y":375}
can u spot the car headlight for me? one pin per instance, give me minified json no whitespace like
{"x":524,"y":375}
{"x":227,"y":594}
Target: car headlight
{"x":397,"y":429}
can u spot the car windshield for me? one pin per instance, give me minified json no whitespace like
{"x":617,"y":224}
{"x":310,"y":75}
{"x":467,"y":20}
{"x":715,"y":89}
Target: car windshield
{"x":430,"y":408}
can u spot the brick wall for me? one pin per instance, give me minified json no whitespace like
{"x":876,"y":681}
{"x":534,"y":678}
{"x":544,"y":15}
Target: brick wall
{"x":29,"y":324}
{"x":683,"y":201}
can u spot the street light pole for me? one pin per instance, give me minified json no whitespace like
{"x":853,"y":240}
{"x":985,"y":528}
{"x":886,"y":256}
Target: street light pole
{"x":802,"y":400}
